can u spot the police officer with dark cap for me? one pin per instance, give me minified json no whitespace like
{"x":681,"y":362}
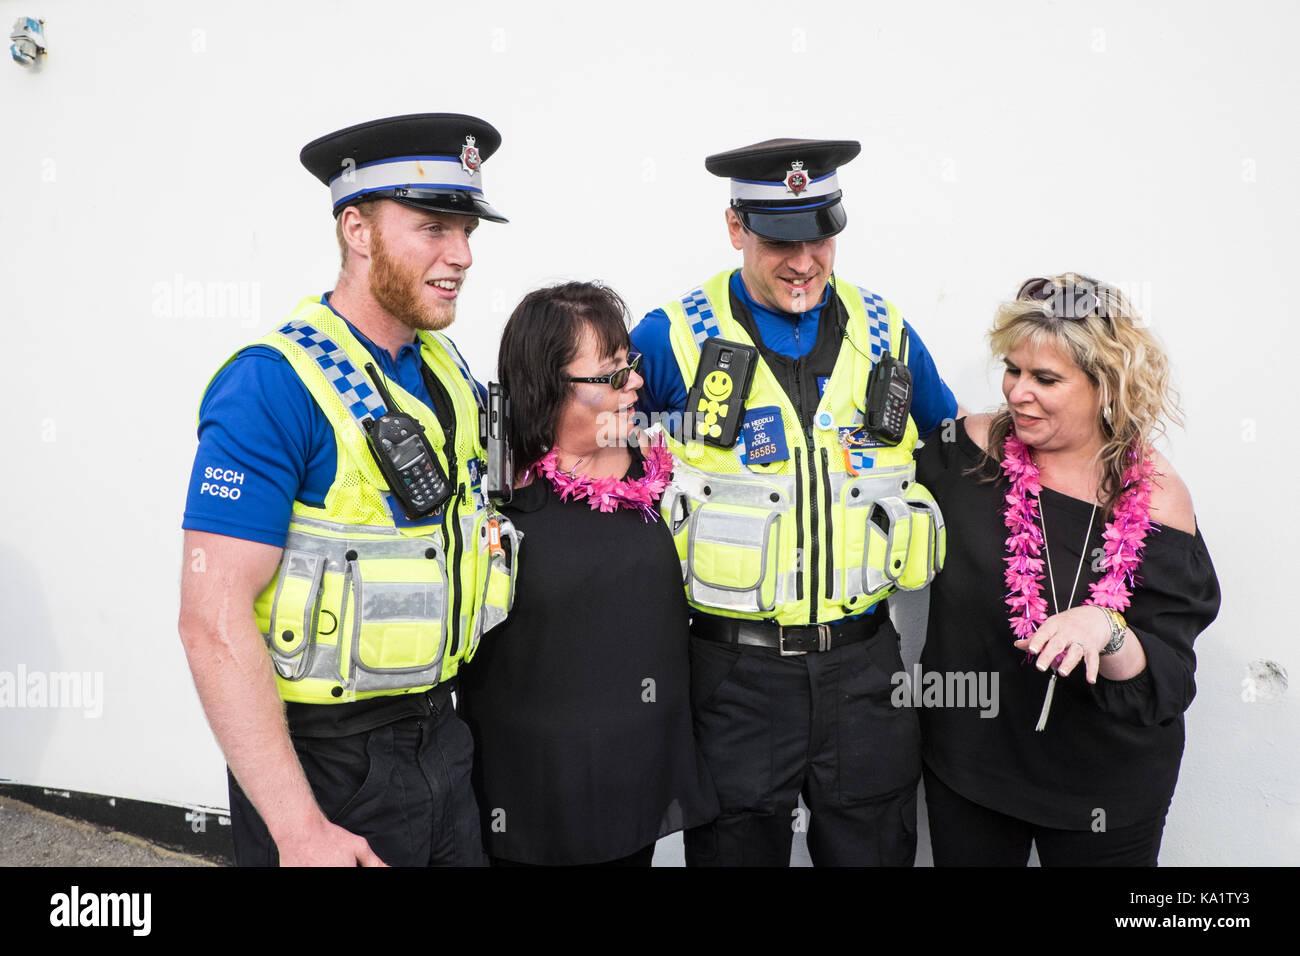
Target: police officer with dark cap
{"x":337,"y":565}
{"x":794,"y":534}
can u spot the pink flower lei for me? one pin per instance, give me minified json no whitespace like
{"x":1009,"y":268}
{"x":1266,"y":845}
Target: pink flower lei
{"x":610,"y":494}
{"x":1123,"y":539}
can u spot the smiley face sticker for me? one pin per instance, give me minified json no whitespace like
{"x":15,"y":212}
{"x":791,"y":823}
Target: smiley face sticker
{"x":713,"y":405}
{"x":717,"y":385}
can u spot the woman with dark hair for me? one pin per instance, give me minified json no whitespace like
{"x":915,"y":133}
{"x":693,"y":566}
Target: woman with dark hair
{"x":1076,"y":581}
{"x":579,"y":702}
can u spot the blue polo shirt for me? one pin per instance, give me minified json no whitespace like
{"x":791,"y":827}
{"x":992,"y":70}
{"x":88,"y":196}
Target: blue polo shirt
{"x":787,"y":333}
{"x":265,"y":443}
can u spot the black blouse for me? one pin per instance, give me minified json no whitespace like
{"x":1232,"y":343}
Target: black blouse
{"x":579,"y":702}
{"x":1114,"y":746}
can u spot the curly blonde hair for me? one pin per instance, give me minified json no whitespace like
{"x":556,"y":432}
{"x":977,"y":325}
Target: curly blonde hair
{"x":1096,"y":325}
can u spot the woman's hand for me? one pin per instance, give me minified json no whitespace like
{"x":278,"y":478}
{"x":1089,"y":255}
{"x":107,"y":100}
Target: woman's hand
{"x":1064,"y":639}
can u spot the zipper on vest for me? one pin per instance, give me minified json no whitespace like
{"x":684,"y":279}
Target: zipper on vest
{"x":453,"y":562}
{"x":798,"y":520}
{"x":815,"y":560}
{"x":830,"y":526}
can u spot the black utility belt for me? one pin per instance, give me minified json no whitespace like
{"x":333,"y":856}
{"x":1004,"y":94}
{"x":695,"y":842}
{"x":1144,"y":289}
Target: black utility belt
{"x":797,"y":639}
{"x":363,"y":716}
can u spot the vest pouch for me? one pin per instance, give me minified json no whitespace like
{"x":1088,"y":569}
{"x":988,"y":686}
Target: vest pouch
{"x":733,"y":557}
{"x":295,"y":608}
{"x":929,"y":540}
{"x":889,"y":534}
{"x":394,"y":612}
{"x":855,"y":502}
{"x":502,"y":570}
{"x":675,"y":508}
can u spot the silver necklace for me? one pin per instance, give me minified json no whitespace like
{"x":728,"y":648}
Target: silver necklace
{"x":572,"y":472}
{"x":1056,"y":609}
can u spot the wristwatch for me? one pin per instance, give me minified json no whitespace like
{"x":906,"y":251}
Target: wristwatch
{"x":1118,"y":626}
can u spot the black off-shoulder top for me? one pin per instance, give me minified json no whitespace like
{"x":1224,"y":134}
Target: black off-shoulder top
{"x":1114,"y":746}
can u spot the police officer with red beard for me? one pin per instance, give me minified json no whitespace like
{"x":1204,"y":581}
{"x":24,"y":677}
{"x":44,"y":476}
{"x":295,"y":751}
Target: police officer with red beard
{"x":336,"y":559}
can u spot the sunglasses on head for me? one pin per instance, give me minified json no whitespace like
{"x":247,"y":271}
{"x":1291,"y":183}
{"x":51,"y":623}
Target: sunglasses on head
{"x":1074,"y":300}
{"x":617,"y":379}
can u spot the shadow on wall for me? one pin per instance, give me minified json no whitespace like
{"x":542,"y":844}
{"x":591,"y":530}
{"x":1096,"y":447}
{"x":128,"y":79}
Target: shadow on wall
{"x":37,"y":686}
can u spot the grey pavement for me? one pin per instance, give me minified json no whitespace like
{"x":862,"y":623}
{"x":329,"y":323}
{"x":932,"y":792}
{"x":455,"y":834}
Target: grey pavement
{"x":34,"y":837}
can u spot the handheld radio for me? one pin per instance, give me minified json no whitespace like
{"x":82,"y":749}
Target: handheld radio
{"x":405,"y":457}
{"x":889,"y":396}
{"x":715,"y":406}
{"x":493,"y":427}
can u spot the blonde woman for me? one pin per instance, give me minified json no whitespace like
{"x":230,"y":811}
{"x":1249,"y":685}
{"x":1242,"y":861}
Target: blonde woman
{"x":1075,"y":585}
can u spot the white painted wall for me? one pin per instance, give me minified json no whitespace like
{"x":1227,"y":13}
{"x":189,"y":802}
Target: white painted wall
{"x":158,"y":145}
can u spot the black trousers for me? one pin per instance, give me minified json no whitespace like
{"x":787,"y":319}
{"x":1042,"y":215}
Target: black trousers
{"x":404,"y":786}
{"x":963,"y":833}
{"x":820,"y":726}
{"x":641,"y":858}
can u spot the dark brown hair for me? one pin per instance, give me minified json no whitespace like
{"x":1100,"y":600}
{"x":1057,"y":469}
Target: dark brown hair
{"x":540,"y":339}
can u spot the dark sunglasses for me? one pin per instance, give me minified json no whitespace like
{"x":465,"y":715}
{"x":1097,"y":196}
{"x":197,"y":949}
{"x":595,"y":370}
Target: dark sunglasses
{"x":1075,"y":301}
{"x":617,"y":380}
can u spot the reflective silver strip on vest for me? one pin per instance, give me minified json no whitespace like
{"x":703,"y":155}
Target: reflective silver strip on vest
{"x":751,"y":533}
{"x":933,"y":563}
{"x":879,"y":484}
{"x":857,"y":493}
{"x":373,"y":544}
{"x":897,"y":540}
{"x":396,"y":602}
{"x":335,"y":550}
{"x":707,"y":498}
{"x":310,"y":568}
{"x":743,"y":488}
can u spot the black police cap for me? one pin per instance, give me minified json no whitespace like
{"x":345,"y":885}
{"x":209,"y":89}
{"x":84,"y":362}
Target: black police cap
{"x":787,"y":189}
{"x":426,"y":160}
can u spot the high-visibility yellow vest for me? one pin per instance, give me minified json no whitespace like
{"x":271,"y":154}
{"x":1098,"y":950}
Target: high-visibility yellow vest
{"x":827,"y":532}
{"x":366,"y":603}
